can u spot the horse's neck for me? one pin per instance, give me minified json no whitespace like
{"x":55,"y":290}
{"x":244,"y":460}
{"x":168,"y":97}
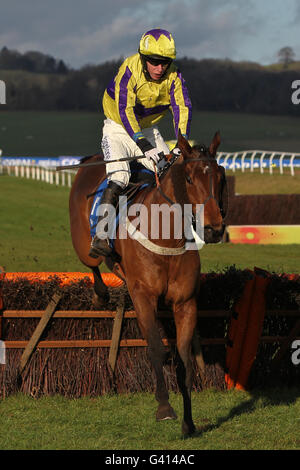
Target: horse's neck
{"x":172,"y":193}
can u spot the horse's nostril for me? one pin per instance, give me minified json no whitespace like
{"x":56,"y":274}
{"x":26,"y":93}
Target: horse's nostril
{"x":212,"y":235}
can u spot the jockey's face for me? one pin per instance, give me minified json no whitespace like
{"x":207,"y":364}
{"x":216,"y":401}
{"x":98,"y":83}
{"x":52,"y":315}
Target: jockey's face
{"x":156,"y":71}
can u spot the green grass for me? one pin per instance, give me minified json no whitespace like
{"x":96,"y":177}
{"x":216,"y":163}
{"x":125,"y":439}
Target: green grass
{"x":49,"y":133}
{"x":79,"y":133}
{"x":267,"y":420}
{"x":35,"y":235}
{"x":34,"y":230}
{"x":265,"y":183}
{"x":273,"y":258}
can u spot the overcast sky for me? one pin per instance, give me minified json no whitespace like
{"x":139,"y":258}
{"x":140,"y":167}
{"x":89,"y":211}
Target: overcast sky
{"x":94,"y":31}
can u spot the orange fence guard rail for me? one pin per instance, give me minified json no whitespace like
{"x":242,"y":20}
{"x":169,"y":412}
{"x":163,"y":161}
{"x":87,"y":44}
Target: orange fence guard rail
{"x":245,"y":330}
{"x":110,"y":279}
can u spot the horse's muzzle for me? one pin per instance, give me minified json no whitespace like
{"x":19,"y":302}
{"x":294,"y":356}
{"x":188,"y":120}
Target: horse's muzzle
{"x":213,"y":235}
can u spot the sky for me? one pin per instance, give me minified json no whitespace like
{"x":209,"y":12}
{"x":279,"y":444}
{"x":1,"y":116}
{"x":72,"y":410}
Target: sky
{"x":82,"y":32}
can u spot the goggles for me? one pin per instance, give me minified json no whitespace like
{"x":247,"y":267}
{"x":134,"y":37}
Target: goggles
{"x":158,"y":61}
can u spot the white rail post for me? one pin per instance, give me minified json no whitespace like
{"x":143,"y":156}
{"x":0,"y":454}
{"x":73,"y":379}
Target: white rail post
{"x":271,"y":162}
{"x":292,"y":164}
{"x":261,"y":163}
{"x":243,"y":161}
{"x":281,"y":163}
{"x":226,"y":158}
{"x":252,"y":160}
{"x":233,"y":161}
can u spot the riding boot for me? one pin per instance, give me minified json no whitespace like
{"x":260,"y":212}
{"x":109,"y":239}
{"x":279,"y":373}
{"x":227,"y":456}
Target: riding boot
{"x":100,"y":242}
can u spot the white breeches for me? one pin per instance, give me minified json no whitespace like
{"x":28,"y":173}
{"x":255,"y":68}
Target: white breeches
{"x":116,"y":143}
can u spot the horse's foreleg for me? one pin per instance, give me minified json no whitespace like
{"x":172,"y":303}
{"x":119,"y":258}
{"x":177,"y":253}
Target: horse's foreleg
{"x":101,"y":295}
{"x":185,"y":316}
{"x":145,"y":308}
{"x":157,"y":355}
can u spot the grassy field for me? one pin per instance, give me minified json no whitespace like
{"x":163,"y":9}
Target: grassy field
{"x":258,"y":183}
{"x":233,"y":420}
{"x":71,"y":133}
{"x":35,"y":236}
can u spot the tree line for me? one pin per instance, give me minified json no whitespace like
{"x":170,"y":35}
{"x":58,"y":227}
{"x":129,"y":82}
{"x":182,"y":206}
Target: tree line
{"x":35,"y":81}
{"x":32,"y":61}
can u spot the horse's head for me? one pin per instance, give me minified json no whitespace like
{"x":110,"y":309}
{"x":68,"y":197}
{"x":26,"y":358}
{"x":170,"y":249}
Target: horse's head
{"x":206,"y":184}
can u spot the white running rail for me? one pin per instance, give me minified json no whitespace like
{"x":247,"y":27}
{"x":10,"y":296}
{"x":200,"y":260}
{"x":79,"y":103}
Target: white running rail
{"x":39,"y":173}
{"x":262,"y":159}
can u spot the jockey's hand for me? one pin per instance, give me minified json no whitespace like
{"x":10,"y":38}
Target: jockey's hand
{"x":154,"y":155}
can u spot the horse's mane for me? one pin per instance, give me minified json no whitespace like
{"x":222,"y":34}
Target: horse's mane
{"x":84,"y":159}
{"x":178,"y":182}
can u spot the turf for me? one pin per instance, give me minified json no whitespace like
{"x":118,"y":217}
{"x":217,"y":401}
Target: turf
{"x":233,"y":420}
{"x":79,"y":133}
{"x":264,"y":183}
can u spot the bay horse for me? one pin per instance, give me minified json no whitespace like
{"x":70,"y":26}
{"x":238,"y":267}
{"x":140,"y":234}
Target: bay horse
{"x":170,"y":271}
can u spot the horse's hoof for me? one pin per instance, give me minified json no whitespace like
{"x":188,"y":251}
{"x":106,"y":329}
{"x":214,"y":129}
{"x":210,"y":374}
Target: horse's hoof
{"x":165,"y":412}
{"x":188,"y":429}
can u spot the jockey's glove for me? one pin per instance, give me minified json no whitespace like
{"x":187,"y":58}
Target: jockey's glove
{"x":150,"y":152}
{"x":154,"y":154}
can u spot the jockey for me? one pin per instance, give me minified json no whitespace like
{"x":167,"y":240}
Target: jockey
{"x":146,"y":86}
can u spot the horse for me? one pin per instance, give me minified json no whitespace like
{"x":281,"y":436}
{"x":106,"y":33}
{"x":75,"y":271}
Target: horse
{"x":165,"y":268}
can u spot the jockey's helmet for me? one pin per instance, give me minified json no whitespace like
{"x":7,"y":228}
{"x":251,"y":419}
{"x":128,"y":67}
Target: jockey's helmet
{"x":158,"y":44}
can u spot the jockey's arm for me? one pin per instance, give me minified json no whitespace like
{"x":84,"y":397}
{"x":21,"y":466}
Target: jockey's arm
{"x":181,"y":106}
{"x":126,"y":100}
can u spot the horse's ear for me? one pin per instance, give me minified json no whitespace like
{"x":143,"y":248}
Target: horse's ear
{"x":183,"y":145}
{"x":215,"y":144}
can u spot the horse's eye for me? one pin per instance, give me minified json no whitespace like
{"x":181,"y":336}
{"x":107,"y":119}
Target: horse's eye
{"x":189,"y":179}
